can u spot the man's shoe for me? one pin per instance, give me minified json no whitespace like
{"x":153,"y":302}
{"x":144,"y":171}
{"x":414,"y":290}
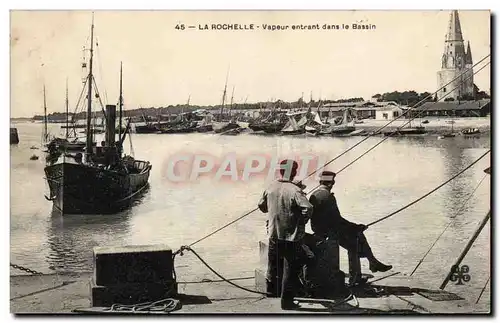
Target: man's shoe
{"x":378,"y":266}
{"x":289,"y":306}
{"x":358,"y":282}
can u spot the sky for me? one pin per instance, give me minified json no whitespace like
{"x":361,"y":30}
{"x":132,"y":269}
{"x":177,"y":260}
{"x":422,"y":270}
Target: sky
{"x":163,"y":65}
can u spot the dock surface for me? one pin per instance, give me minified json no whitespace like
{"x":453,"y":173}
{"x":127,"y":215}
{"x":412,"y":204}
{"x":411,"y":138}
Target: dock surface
{"x":64,"y":293}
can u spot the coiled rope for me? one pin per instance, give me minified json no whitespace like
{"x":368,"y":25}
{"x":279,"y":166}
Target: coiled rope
{"x":164,"y":305}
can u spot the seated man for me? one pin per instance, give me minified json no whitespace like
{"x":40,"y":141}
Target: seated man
{"x":326,"y":221}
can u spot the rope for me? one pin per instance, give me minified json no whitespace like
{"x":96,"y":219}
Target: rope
{"x":188,"y":248}
{"x":429,"y":193}
{"x":449,"y":223}
{"x":180,"y":251}
{"x":164,"y":305}
{"x":101,"y":73}
{"x":25,"y":269}
{"x":482,"y":291}
{"x":362,"y":155}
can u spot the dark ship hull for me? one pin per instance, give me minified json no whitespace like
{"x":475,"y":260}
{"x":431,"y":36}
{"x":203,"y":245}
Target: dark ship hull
{"x":204,"y":128}
{"x":269,"y":128}
{"x":222,"y":127}
{"x":406,"y":131}
{"x":182,"y":129}
{"x":146,"y":129}
{"x":82,"y":189}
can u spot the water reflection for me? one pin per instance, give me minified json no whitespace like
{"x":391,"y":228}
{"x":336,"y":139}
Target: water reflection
{"x":458,"y":189}
{"x":71,"y":238}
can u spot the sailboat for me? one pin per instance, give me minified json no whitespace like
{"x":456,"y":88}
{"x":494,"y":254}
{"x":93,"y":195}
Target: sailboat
{"x":223,"y":126}
{"x":100,"y":181}
{"x":451,"y":133}
{"x":341,"y":125}
{"x":184,"y":123}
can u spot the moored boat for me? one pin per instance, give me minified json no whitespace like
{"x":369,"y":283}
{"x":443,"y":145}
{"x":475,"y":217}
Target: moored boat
{"x":102,"y":180}
{"x":471,"y":131}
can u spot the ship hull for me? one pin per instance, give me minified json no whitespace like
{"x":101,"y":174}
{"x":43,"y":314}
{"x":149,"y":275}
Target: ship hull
{"x":220,"y":127}
{"x":146,"y":129}
{"x":81,"y":189}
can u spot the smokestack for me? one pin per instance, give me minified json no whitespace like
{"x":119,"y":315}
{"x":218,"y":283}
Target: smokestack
{"x":110,"y":125}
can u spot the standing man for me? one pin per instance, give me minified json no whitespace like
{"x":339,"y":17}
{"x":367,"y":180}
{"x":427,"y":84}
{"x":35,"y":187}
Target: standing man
{"x":326,"y":221}
{"x":289,"y":210}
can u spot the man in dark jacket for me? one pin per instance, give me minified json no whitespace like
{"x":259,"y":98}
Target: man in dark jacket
{"x":289,"y":211}
{"x":326,"y":221}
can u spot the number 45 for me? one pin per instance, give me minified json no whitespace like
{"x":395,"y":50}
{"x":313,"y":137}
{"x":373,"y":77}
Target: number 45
{"x":180,"y":27}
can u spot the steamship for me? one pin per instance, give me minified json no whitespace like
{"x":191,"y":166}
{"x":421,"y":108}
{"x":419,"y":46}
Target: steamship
{"x":102,"y":180}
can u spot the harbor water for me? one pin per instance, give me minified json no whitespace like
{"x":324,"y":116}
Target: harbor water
{"x":178,"y":213}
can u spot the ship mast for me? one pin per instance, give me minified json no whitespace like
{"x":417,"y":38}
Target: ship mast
{"x":88,"y":146}
{"x":224,"y":96}
{"x":121,"y":108}
{"x":231,"y":106}
{"x":45,"y":132}
{"x":67,"y":108}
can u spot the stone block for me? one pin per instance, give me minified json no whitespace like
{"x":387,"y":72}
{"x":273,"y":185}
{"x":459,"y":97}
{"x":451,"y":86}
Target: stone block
{"x":325,"y":274}
{"x":132,"y":264}
{"x":264,"y":286}
{"x":130,"y":294}
{"x":263,"y":250}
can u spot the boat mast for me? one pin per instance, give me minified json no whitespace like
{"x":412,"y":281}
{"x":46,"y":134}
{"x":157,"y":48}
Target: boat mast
{"x":121,"y":108}
{"x":67,"y":110}
{"x":224,"y":96}
{"x":88,"y":146}
{"x":45,"y":132}
{"x":231,"y":106}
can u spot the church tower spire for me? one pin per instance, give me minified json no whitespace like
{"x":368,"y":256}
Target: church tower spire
{"x":454,"y":29}
{"x":468,"y":54}
{"x":454,"y":63}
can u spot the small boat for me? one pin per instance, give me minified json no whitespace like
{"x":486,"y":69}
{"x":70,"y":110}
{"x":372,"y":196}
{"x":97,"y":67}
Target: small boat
{"x":223,"y":127}
{"x":34,"y":157}
{"x":425,"y":121}
{"x":146,"y":128}
{"x":33,"y":147}
{"x":178,"y":129}
{"x":419,"y":130}
{"x":232,"y":132}
{"x":470,"y":131}
{"x":447,"y":135}
{"x":204,"y":128}
{"x":341,"y":126}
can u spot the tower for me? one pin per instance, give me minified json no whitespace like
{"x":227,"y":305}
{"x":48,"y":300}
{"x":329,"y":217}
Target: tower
{"x":454,"y":64}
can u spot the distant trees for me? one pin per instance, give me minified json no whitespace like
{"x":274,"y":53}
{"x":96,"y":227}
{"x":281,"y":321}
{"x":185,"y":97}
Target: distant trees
{"x":404,"y":98}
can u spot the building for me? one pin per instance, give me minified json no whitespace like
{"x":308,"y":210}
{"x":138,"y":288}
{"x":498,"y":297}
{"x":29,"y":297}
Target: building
{"x":389,"y":112}
{"x":455,"y":79}
{"x":480,"y":108}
